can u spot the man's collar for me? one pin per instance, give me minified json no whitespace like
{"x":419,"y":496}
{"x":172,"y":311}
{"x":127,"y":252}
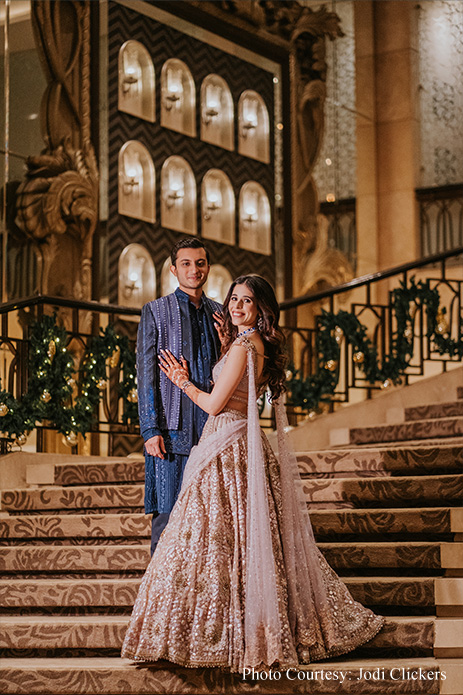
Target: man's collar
{"x":184,"y":297}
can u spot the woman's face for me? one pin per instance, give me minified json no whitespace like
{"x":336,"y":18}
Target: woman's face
{"x":243,"y":308}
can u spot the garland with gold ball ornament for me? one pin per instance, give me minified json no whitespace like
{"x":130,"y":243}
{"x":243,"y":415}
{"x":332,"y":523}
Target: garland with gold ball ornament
{"x":309,"y":392}
{"x":52,"y":384}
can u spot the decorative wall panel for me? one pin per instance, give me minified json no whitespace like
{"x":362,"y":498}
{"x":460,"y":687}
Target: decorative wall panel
{"x":440,"y":48}
{"x":163,"y":43}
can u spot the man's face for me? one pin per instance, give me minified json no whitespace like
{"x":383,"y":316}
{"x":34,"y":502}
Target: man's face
{"x":191,"y":268}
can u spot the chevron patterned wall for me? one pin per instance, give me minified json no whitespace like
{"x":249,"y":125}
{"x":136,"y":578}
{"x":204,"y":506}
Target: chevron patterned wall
{"x":164,"y":42}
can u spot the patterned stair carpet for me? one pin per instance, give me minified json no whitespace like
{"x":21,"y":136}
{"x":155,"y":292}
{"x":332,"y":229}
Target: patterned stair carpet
{"x":386,"y":511}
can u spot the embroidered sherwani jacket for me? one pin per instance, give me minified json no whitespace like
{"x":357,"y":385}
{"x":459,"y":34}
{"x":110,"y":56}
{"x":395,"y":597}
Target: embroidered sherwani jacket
{"x":161,"y":404}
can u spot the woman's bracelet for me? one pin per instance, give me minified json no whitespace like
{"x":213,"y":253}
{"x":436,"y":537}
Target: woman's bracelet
{"x":185,"y":385}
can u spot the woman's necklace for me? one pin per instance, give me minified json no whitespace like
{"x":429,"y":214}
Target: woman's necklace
{"x":248,"y":330}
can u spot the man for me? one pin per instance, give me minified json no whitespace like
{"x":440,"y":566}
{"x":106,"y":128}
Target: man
{"x":184,"y":322}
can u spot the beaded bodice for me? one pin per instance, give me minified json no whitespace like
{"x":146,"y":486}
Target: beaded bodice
{"x":243,"y":385}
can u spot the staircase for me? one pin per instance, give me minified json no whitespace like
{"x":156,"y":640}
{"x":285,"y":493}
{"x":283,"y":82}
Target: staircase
{"x":387,"y":513}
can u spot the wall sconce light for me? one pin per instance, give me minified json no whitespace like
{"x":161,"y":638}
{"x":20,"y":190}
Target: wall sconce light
{"x":133,"y":285}
{"x":213,"y":200}
{"x":250,"y":120}
{"x":176,"y":188}
{"x":213,"y":98}
{"x":174,"y":88}
{"x":250,"y":208}
{"x":130,"y":79}
{"x":133,"y":174}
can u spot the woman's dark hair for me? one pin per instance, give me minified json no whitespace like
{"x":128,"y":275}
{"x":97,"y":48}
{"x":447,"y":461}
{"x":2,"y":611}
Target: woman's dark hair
{"x":274,"y":371}
{"x":187,"y":243}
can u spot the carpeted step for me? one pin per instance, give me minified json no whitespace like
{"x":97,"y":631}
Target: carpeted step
{"x":460,"y":392}
{"x":76,"y":526}
{"x":434,"y":411}
{"x":365,"y":522}
{"x":100,"y":632}
{"x":92,"y":473}
{"x":326,"y":523}
{"x":121,"y":677}
{"x":134,"y":558}
{"x":56,"y":498}
{"x":120,"y":593}
{"x":348,"y":462}
{"x":410,"y":491}
{"x":418,"y":430}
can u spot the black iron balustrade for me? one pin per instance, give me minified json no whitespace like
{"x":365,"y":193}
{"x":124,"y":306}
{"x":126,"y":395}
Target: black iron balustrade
{"x":372,"y":304}
{"x":373,"y":309}
{"x":441,"y":218}
{"x":82,"y":320}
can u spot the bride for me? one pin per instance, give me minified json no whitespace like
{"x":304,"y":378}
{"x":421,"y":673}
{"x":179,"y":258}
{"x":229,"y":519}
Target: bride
{"x":236,"y":579}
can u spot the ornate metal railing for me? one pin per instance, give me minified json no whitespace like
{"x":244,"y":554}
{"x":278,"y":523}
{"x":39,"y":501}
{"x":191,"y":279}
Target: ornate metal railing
{"x":331,"y":352}
{"x":412,"y":315}
{"x":83,"y":321}
{"x":441,"y":218}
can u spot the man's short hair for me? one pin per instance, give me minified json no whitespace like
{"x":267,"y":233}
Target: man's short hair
{"x":187,"y":243}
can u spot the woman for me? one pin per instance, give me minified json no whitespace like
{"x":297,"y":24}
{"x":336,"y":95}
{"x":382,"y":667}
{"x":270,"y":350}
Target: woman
{"x":237,"y":580}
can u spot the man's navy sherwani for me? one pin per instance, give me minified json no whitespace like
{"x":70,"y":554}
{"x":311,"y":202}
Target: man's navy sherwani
{"x":172,"y":323}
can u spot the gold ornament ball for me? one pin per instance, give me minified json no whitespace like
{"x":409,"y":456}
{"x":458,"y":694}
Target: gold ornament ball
{"x":101,"y":383}
{"x":331,"y":365}
{"x":21,"y":439}
{"x":71,"y":382}
{"x":114,"y":359}
{"x":51,"y":352}
{"x":46,"y":396}
{"x":386,"y":384}
{"x":358,"y":357}
{"x":133,"y":396}
{"x":70,"y":439}
{"x":338,"y":334}
{"x":408,"y":333}
{"x":312,"y":414}
{"x":4,"y":410}
{"x":289,"y":374}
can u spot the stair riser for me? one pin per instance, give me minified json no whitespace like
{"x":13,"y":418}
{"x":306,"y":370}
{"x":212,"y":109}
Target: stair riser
{"x":89,"y":680}
{"x":435,"y":411}
{"x":371,"y":462}
{"x":73,"y":498}
{"x":426,"y":491}
{"x":99,"y":474}
{"x":429,"y":429}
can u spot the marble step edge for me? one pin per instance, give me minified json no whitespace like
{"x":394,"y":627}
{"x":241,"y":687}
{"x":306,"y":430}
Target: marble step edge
{"x":108,"y":496}
{"x":113,"y":676}
{"x":324,"y":521}
{"x":421,"y":554}
{"x":107,"y":632}
{"x":400,"y":591}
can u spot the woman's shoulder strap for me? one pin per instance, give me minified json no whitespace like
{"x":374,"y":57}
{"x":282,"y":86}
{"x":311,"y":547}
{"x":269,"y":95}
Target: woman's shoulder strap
{"x":245,"y":342}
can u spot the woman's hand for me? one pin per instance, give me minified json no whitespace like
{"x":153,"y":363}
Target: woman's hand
{"x":219,"y":320}
{"x":176,"y":371}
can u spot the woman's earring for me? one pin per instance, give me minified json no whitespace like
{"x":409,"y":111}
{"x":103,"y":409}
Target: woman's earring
{"x":260,"y":323}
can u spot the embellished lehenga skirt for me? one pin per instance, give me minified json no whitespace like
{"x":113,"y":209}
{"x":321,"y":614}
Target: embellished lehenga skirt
{"x":190,"y":605}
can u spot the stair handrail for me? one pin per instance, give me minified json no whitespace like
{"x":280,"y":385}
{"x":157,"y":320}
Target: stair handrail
{"x":370,"y":278}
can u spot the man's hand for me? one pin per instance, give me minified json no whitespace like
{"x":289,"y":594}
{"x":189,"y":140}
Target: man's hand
{"x":218,"y":318}
{"x":155,"y":446}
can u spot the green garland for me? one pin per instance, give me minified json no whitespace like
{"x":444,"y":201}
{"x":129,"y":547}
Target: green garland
{"x":55,"y":397}
{"x":309,"y":392}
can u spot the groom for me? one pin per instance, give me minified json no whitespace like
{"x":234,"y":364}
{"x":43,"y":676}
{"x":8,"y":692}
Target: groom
{"x":170,"y":424}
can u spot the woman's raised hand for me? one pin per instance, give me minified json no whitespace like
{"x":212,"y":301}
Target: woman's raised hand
{"x":175,"y":370}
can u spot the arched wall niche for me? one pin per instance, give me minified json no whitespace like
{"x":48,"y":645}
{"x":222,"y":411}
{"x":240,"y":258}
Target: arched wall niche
{"x":253,"y":127}
{"x":137,"y":184}
{"x":254,"y":219}
{"x":136,"y":81}
{"x":217,"y":207}
{"x":137,"y":277}
{"x":178,"y":98}
{"x":218,"y":282}
{"x":217,"y":113}
{"x":178,"y":196}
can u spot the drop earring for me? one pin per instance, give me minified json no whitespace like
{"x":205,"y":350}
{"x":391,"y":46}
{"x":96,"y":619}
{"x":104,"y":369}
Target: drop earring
{"x":260,"y":323}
